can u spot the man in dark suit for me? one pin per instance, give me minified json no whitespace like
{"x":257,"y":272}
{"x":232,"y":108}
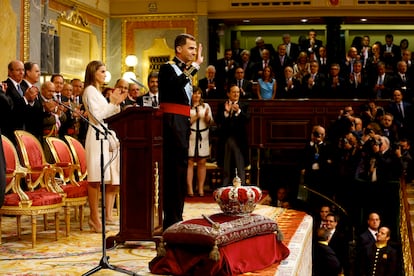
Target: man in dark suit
{"x":210,"y":86}
{"x":311,"y":45}
{"x":403,"y":114}
{"x":282,"y":60}
{"x":337,"y":240}
{"x":21,"y":97}
{"x":292,"y":49}
{"x":288,"y":87}
{"x":335,"y":84}
{"x":325,"y":261}
{"x":358,"y":82}
{"x":256,"y":52}
{"x":236,"y":50}
{"x":247,"y":65}
{"x":369,"y":236}
{"x":245,"y":86}
{"x":265,"y":61}
{"x":233,"y":149}
{"x":404,"y":82}
{"x":225,"y":68}
{"x":381,"y":83}
{"x":175,"y":90}
{"x":314,"y":84}
{"x":390,"y":52}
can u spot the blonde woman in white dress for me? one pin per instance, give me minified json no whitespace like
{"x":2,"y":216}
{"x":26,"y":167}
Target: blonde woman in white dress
{"x":98,"y":108}
{"x":199,"y":148}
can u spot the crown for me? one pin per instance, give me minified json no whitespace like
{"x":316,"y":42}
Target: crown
{"x":237,"y":199}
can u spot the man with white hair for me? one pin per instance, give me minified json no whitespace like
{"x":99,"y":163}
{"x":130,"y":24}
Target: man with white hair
{"x":256,"y":52}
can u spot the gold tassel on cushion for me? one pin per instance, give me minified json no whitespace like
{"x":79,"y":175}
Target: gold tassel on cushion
{"x":161,"y":252}
{"x":215,"y":254}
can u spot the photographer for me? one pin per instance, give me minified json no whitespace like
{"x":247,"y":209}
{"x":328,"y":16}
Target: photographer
{"x":404,"y":152}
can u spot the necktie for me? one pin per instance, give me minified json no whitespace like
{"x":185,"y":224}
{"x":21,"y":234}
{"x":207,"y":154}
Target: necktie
{"x":400,"y":109}
{"x":154,"y":101}
{"x":403,"y":78}
{"x":281,"y":60}
{"x":19,"y":89}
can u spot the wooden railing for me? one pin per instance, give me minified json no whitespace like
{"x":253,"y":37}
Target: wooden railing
{"x":406,"y":231}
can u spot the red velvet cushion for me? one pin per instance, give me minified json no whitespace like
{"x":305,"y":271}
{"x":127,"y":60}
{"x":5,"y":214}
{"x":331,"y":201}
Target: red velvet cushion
{"x":73,"y":191}
{"x":39,"y":198}
{"x":232,"y":229}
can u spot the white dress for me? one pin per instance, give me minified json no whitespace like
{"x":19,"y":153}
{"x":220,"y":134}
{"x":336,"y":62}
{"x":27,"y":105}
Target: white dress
{"x":199,"y":143}
{"x":99,"y":109}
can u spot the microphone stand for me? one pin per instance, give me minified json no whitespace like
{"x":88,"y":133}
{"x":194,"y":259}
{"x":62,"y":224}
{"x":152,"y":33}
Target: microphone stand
{"x":352,"y":243}
{"x":104,"y":262}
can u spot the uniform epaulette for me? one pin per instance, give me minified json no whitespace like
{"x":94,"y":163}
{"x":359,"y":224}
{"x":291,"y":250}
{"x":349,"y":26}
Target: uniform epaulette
{"x":171,"y":62}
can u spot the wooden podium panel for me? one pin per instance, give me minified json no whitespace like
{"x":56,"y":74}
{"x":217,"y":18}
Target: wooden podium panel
{"x":140,"y":134}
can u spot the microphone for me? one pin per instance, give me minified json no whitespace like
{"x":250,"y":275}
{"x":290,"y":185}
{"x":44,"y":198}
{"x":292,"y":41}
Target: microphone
{"x":105,"y":129}
{"x":139,"y":83}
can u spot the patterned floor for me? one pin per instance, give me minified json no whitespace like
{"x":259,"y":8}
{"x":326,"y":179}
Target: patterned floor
{"x":82,"y":250}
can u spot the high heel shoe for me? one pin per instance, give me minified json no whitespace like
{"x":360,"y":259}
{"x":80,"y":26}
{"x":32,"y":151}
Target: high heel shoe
{"x":94,"y":228}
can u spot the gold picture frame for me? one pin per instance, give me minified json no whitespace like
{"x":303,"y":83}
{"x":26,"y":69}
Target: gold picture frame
{"x":75,"y":47}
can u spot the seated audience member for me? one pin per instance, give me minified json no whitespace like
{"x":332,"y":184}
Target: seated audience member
{"x":151,"y":99}
{"x":314,"y":84}
{"x":381,"y":83}
{"x":288,"y":87}
{"x":282,"y":198}
{"x":233,"y":149}
{"x":403,"y":114}
{"x":380,"y":258}
{"x":211,"y":86}
{"x":325,"y":261}
{"x":133,"y":96}
{"x":246,"y":86}
{"x":302,"y":66}
{"x":335,"y":84}
{"x":267,"y":85}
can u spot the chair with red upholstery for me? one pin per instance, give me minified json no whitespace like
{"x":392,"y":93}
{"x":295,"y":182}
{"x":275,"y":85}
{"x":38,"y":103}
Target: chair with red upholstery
{"x":79,"y":157}
{"x":76,"y":192}
{"x":36,"y":201}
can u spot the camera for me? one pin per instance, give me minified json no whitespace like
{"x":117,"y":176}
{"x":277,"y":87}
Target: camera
{"x":316,"y":134}
{"x":368,"y":131}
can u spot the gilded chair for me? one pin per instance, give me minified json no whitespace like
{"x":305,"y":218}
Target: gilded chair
{"x":76,"y":192}
{"x":33,"y":202}
{"x":79,"y":156}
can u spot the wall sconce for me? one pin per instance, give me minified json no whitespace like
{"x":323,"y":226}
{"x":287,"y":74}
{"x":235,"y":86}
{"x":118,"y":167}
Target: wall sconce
{"x":131,"y":61}
{"x":108,"y":77}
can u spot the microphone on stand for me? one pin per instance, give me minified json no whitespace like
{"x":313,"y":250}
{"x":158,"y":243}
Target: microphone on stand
{"x":105,"y":129}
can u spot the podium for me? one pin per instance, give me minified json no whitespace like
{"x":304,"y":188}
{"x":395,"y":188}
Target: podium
{"x":139,"y":130}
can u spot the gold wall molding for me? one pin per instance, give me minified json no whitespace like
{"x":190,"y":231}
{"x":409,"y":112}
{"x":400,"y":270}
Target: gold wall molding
{"x":25,"y":40}
{"x":74,"y":17}
{"x":163,"y":26}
